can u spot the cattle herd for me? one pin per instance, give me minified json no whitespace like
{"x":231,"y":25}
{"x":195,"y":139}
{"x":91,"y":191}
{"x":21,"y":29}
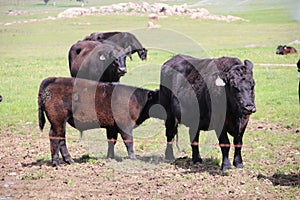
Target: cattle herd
{"x":203,"y":94}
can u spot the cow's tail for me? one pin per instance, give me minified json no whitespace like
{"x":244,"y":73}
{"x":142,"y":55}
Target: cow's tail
{"x":42,"y":119}
{"x":42,"y":96}
{"x":41,"y":116}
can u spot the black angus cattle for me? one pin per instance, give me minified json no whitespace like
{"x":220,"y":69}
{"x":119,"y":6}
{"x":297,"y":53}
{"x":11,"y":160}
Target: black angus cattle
{"x":124,"y":39}
{"x":93,"y":60}
{"x":86,"y":104}
{"x":283,"y":50}
{"x":208,"y":94}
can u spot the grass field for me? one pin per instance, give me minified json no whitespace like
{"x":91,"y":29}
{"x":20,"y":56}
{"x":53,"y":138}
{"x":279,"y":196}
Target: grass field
{"x":32,"y":51}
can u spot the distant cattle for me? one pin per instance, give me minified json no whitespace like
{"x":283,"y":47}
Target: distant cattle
{"x":283,"y":50}
{"x":124,"y":39}
{"x":208,"y":94}
{"x":0,"y":98}
{"x":97,"y":61}
{"x":86,"y":104}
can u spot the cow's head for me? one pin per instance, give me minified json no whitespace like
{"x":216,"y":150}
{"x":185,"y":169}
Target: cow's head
{"x":239,"y":84}
{"x":152,"y":99}
{"x":280,"y":50}
{"x":118,"y":56}
{"x":142,"y":53}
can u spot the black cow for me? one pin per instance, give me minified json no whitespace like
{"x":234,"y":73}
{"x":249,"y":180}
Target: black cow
{"x":86,"y":104}
{"x":208,"y":94}
{"x":93,"y":60}
{"x":124,"y":39}
{"x":0,"y":98}
{"x":283,"y":50}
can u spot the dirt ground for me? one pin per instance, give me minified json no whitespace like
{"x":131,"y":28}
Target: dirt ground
{"x":26,"y":172}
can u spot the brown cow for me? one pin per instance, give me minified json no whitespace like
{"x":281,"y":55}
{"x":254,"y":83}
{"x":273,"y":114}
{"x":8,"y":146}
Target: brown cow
{"x":86,"y":104}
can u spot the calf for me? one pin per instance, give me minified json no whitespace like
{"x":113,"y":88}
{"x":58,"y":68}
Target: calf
{"x":283,"y":50}
{"x":87,"y":105}
{"x":93,"y":60}
{"x":124,"y":39}
{"x":207,"y":94}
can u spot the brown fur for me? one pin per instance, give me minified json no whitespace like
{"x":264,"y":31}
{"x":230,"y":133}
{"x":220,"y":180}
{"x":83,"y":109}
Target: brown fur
{"x":87,"y":105}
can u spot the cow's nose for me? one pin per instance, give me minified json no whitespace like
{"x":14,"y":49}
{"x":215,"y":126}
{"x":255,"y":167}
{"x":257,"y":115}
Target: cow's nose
{"x":122,"y":70}
{"x":249,"y":109}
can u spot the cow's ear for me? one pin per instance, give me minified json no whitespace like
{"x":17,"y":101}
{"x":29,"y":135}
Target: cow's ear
{"x":248,"y":64}
{"x":102,"y":57}
{"x":219,"y":82}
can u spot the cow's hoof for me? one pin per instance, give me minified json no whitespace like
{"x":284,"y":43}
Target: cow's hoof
{"x":225,"y":168}
{"x":238,"y":165}
{"x":110,"y":156}
{"x":169,"y":158}
{"x":197,"y":161}
{"x":132,"y":157}
{"x":55,"y":163}
{"x":69,"y":161}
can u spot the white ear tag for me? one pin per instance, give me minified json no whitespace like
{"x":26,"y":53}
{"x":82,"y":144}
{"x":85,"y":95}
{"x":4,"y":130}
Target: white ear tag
{"x":102,"y":57}
{"x":220,"y":82}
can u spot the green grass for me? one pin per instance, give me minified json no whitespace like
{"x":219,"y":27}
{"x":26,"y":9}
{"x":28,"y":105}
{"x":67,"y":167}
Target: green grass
{"x":31,"y":52}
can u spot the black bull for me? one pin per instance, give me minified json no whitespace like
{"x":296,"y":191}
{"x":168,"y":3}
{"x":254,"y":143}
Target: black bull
{"x":208,"y":94}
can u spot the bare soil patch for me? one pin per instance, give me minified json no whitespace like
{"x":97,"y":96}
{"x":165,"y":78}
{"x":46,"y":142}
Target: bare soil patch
{"x":26,"y":172}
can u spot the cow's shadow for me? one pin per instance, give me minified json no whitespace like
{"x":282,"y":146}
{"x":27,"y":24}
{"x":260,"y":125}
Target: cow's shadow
{"x":282,"y":179}
{"x":210,"y":165}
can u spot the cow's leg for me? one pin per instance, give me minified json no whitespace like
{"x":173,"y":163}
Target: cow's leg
{"x":171,"y":131}
{"x":60,"y":138}
{"x":54,"y":147}
{"x":112,"y":136}
{"x":237,"y":159}
{"x":128,"y":141}
{"x":64,"y":150}
{"x":194,"y":139}
{"x":225,"y":147}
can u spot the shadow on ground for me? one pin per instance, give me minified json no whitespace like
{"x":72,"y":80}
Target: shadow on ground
{"x":210,"y":165}
{"x":282,"y":179}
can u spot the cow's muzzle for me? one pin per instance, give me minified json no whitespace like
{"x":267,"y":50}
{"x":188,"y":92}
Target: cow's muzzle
{"x":249,"y":109}
{"x":122,"y":71}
